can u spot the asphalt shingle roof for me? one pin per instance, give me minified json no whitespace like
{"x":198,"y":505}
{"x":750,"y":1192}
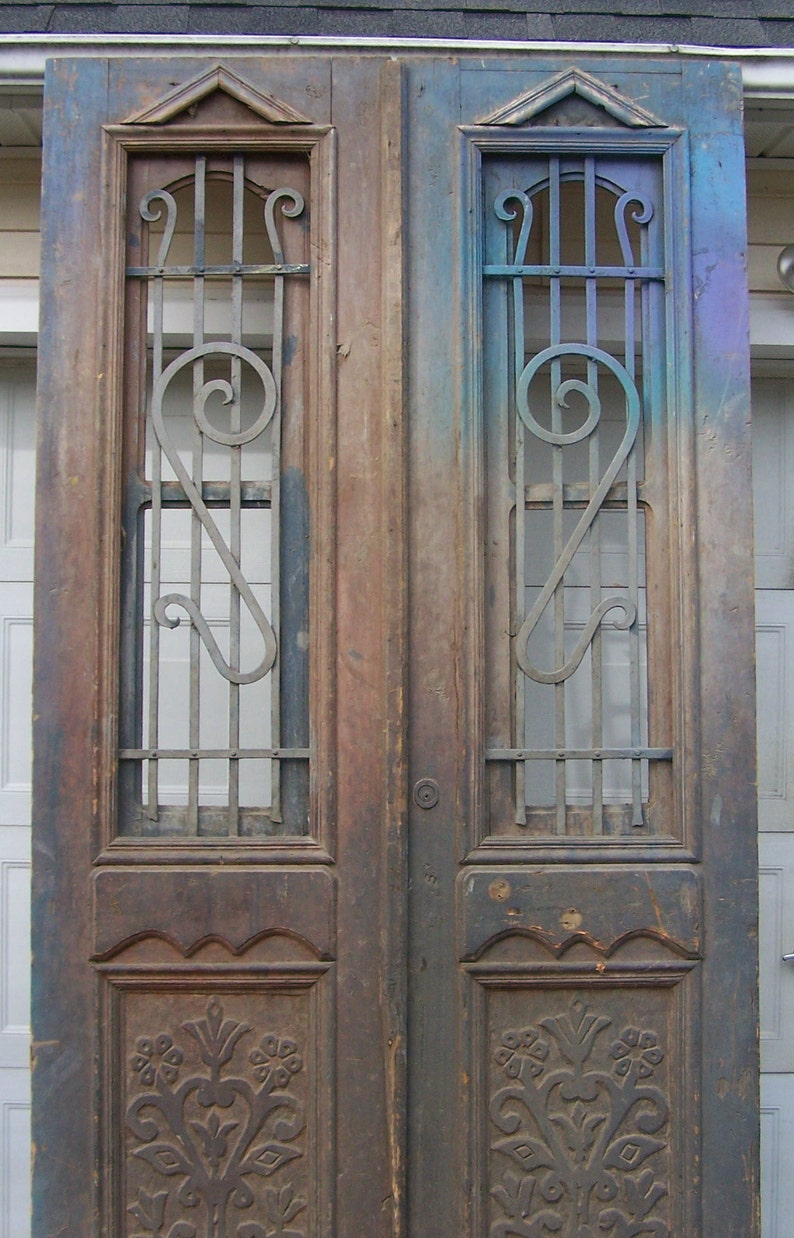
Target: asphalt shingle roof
{"x":729,"y":23}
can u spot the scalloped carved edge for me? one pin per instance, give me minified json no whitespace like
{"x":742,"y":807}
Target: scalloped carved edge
{"x":188,"y":950}
{"x":568,"y":82}
{"x":557,"y":947}
{"x":267,"y":106}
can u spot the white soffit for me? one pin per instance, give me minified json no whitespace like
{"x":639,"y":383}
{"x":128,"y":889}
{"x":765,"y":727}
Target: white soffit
{"x":768,"y":76}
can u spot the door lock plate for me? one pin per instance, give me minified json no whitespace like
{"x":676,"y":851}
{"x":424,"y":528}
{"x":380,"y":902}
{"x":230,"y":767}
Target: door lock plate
{"x":426,"y":793}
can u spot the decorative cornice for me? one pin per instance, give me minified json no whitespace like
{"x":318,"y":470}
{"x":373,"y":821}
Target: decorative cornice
{"x":533,"y":103}
{"x":267,"y":106}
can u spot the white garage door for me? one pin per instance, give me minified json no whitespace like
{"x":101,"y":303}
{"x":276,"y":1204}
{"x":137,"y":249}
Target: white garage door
{"x":773,"y":444}
{"x":17,"y":390}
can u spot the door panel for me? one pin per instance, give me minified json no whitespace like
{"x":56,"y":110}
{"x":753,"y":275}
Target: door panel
{"x":439,"y":967}
{"x":234,"y":995}
{"x":582,"y":910}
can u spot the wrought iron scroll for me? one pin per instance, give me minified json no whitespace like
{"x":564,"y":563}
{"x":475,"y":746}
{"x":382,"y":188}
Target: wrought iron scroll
{"x":624,"y":604}
{"x":242,"y":368}
{"x":235,"y":439}
{"x":543,"y":275}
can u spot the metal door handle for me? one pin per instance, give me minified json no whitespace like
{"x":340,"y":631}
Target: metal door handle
{"x":788,"y":958}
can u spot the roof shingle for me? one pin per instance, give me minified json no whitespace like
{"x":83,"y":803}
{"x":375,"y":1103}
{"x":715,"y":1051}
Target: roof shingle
{"x":727,"y":23}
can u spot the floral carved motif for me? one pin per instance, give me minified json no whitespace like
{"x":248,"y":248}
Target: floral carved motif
{"x":583,"y":1141}
{"x":216,"y":1114}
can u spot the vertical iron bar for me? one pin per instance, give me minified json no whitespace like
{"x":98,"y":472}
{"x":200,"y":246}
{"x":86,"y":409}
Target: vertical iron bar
{"x":153,"y":735}
{"x":652,"y":346}
{"x":557,"y":484}
{"x":520,"y":542}
{"x":235,"y":479}
{"x":275,"y":546}
{"x":198,"y":470}
{"x":633,"y":519}
{"x":594,"y":537}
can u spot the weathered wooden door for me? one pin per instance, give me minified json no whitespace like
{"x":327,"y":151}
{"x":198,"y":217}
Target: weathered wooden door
{"x":394,"y":870}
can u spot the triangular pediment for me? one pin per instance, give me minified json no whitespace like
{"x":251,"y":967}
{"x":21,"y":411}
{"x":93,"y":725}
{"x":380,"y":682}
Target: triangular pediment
{"x":186,"y":98}
{"x":589,"y":102}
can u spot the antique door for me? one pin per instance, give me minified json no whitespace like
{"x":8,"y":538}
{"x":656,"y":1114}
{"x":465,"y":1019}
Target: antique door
{"x":394,"y":828}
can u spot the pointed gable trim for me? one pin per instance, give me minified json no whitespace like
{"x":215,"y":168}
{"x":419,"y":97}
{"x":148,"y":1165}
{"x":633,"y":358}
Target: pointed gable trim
{"x":220,"y":78}
{"x":572,"y":81}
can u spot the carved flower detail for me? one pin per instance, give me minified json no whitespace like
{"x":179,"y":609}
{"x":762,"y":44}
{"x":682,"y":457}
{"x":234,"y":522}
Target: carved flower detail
{"x":275,"y":1059}
{"x":153,"y":1053}
{"x":522,"y":1048}
{"x":149,"y":1211}
{"x":638,"y":1051}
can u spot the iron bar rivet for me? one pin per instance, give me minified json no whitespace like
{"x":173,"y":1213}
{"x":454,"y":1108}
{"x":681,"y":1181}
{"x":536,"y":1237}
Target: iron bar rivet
{"x":194,"y":752}
{"x":637,"y":752}
{"x":233,"y":752}
{"x":597,"y":754}
{"x":276,"y":752}
{"x":631,"y":270}
{"x":153,"y":755}
{"x":560,"y":755}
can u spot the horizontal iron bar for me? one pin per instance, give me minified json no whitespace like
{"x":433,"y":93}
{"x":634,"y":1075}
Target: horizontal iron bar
{"x":223,"y":268}
{"x":578,"y":271}
{"x":545,"y":492}
{"x":579,"y":754}
{"x":171,"y":493}
{"x":213,"y":754}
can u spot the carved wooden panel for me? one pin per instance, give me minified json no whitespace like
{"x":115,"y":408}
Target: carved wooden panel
{"x":581,"y":1113}
{"x":584,"y":1015}
{"x":218,"y":1108}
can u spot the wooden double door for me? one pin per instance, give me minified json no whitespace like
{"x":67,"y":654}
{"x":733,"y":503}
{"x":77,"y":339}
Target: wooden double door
{"x":394,"y":808}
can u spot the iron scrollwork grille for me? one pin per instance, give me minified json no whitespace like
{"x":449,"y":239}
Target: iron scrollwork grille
{"x":214,"y":717}
{"x":575,"y":280}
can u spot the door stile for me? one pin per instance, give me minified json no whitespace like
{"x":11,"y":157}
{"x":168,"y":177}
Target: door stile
{"x":438,"y":675}
{"x":394,"y":540}
{"x":65,"y":738}
{"x":371,"y":592}
{"x":725,"y":613}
